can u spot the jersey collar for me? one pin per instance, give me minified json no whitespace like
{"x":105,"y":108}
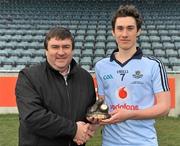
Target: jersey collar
{"x":137,"y":55}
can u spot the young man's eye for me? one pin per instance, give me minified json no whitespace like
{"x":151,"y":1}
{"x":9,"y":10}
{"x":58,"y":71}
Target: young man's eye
{"x":130,"y":28}
{"x":120,"y":28}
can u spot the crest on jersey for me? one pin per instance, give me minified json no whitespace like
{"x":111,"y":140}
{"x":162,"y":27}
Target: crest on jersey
{"x":137,"y":74}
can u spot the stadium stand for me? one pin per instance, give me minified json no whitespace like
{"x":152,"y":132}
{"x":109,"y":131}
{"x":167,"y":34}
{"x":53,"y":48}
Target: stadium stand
{"x":23,"y":25}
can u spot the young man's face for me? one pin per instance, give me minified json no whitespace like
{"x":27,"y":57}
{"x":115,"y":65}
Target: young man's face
{"x":125,"y":32}
{"x":59,"y":53}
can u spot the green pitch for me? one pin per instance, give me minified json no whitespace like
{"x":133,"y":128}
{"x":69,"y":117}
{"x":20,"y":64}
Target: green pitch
{"x":168,"y":129}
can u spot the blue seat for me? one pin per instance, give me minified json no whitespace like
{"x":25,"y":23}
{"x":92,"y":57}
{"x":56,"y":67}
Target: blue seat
{"x":145,"y":45}
{"x":159,"y":52}
{"x":147,"y":52}
{"x":111,"y":45}
{"x":165,"y":38}
{"x":100,"y":38}
{"x":144,"y":38}
{"x":90,"y":38}
{"x":79,"y":38}
{"x":154,"y":38}
{"x":157,"y":45}
{"x":78,"y":45}
{"x":6,"y":67}
{"x":18,"y":67}
{"x":177,"y":45}
{"x":91,"y":32}
{"x":174,"y":61}
{"x":88,"y":45}
{"x":163,"y":32}
{"x":87,"y":52}
{"x":175,"y":38}
{"x":81,"y":32}
{"x":101,"y":32}
{"x":99,"y":52}
{"x":171,"y":53}
{"x":77,"y":52}
{"x":100,"y":45}
{"x":86,"y":60}
{"x":168,"y":45}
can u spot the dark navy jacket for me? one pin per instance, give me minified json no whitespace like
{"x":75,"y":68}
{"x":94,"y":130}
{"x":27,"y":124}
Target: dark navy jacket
{"x":48,"y":107}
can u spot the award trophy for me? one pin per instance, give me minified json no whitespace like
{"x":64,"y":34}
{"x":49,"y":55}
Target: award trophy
{"x":98,"y":111}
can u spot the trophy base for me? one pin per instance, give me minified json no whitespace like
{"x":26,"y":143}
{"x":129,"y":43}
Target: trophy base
{"x":98,"y":116}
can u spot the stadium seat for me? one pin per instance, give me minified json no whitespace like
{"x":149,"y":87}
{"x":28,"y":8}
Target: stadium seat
{"x":145,"y":45}
{"x":79,"y":38}
{"x":77,"y":52}
{"x":154,"y":38}
{"x":23,"y":26}
{"x":88,"y":45}
{"x":100,"y":38}
{"x":87,"y":52}
{"x":85,"y":60}
{"x":90,"y":38}
{"x":159,"y":52}
{"x":171,"y":53}
{"x":100,"y":45}
{"x":157,"y":45}
{"x":147,"y":52}
{"x":99,"y":52}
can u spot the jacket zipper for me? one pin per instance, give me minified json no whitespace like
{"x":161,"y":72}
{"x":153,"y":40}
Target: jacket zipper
{"x":68,"y":96}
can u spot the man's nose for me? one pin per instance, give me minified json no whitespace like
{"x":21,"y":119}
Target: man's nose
{"x":124,"y":33}
{"x":60,"y":51}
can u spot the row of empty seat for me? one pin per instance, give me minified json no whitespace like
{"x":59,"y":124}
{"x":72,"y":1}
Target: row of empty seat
{"x":23,"y":25}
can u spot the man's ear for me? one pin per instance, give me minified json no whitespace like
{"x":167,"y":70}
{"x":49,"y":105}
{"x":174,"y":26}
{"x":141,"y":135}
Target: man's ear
{"x":113,"y":33}
{"x":139,"y":32}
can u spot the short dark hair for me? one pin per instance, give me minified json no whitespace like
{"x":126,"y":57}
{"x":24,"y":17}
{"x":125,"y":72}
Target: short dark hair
{"x":60,"y":33}
{"x":125,"y":11}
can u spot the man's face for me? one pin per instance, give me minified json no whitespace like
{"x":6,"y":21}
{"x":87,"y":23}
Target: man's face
{"x":125,"y":32}
{"x":59,"y":53}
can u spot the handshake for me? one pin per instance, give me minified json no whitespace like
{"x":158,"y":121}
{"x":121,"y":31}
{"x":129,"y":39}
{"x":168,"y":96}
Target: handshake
{"x":84,"y":132}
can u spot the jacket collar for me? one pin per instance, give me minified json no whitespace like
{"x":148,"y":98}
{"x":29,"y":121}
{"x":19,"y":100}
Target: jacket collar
{"x":73,"y":67}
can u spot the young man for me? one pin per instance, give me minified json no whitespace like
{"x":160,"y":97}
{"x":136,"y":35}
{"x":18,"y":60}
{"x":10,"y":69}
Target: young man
{"x":134,"y":86}
{"x":53,"y":97}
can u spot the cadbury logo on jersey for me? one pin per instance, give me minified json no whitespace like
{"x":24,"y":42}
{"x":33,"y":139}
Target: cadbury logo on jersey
{"x":137,"y":74}
{"x":106,"y":77}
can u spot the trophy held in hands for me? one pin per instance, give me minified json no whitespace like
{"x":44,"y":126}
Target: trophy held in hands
{"x":98,"y":111}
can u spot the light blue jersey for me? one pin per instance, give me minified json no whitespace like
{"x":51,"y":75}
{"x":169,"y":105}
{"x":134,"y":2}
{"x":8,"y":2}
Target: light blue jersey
{"x":130,"y":86}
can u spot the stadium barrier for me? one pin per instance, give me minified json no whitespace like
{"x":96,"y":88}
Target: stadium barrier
{"x":8,"y":99}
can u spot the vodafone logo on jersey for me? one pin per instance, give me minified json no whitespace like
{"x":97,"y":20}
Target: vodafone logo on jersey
{"x":122,"y":93}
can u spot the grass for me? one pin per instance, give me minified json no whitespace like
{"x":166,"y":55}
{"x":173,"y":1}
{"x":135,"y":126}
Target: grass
{"x":168,"y":129}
